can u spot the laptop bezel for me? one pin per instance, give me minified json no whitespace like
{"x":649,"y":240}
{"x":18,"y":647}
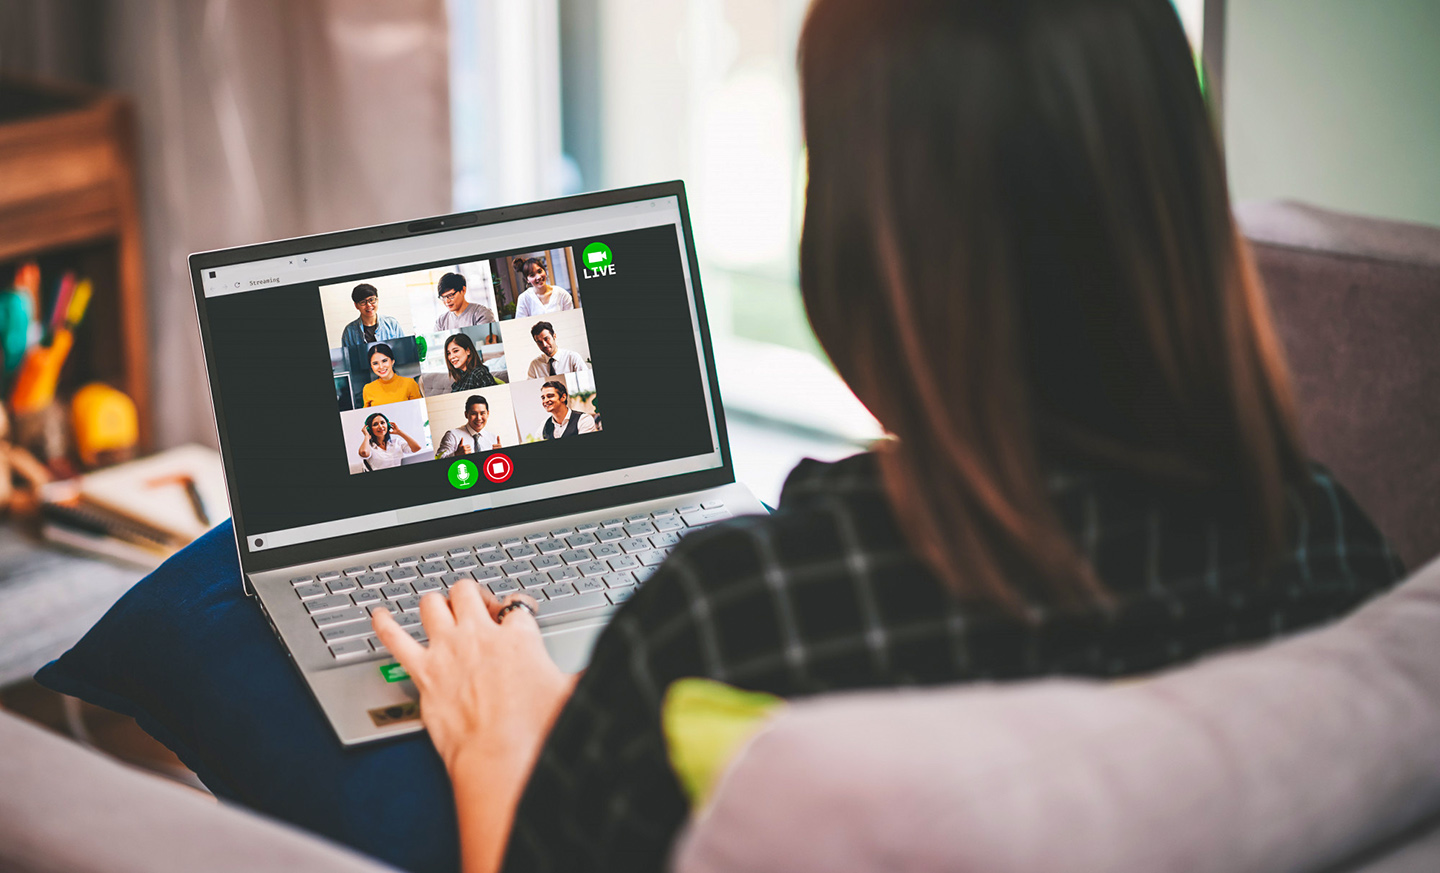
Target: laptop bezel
{"x":452,"y":526}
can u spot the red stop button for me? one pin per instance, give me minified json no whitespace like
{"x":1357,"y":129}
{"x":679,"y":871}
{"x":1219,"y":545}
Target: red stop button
{"x":498,"y":467}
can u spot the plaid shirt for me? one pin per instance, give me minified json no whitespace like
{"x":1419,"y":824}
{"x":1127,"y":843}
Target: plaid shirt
{"x":825,"y":595}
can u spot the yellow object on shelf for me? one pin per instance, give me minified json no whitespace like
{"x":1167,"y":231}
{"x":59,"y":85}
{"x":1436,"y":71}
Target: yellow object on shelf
{"x":105,"y":422}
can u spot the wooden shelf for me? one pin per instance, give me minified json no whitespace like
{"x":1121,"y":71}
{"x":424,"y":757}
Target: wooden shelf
{"x":67,"y":182}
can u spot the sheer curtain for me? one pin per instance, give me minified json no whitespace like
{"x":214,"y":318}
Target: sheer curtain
{"x":265,"y":119}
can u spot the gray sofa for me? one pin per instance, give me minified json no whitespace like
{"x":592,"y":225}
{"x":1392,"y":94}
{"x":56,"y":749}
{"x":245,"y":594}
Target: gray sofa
{"x":1318,"y":753}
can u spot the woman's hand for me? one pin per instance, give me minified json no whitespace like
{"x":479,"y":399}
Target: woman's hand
{"x":488,"y":695}
{"x":488,"y":689}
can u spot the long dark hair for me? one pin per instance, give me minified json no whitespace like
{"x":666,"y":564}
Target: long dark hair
{"x":369,"y":420}
{"x":472,"y":357}
{"x":384,"y":349}
{"x":1018,"y":251}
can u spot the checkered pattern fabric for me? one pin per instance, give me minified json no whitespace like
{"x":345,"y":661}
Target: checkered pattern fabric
{"x":824,"y":595}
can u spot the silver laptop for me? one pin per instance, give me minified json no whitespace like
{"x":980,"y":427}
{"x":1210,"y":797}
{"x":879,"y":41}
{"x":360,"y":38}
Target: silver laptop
{"x":523,"y":396}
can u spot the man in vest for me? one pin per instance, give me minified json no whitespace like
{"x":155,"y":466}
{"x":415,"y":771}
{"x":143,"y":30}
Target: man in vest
{"x":563,"y":421}
{"x":472,"y":437}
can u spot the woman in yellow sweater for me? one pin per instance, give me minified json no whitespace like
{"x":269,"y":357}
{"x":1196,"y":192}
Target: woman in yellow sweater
{"x":387,"y":387}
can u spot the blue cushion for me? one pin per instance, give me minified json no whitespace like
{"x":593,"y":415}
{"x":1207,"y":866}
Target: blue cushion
{"x":189,"y":657}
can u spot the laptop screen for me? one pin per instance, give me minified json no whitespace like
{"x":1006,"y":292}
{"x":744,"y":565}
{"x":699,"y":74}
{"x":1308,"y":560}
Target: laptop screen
{"x":369,"y":387}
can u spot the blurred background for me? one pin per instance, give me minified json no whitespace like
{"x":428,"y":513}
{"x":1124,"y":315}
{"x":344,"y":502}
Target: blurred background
{"x":274,"y":118}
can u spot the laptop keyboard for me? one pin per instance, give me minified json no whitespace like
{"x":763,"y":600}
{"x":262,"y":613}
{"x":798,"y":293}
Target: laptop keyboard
{"x":572,"y":572}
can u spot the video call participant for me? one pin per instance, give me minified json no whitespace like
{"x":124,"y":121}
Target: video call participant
{"x":371,"y":326}
{"x":459,"y":311}
{"x":563,"y":420}
{"x":471,"y":436}
{"x":388,"y":387}
{"x":553,"y":360}
{"x":385,"y":443}
{"x":541,"y":297}
{"x":467,"y":368}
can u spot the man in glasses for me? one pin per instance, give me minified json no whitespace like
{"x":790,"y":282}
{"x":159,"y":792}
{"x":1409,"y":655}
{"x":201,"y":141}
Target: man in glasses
{"x":371,"y":326}
{"x":459,"y":312}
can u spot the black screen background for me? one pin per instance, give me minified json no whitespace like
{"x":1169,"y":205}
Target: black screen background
{"x":289,"y":465}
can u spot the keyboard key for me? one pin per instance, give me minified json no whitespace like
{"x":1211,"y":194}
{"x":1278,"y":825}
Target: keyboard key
{"x":577,"y":556}
{"x":663,"y":513}
{"x":580,"y":541}
{"x":519,"y":552}
{"x":640,"y":529}
{"x":372,"y":580}
{"x":336,"y":633}
{"x":434,"y":568}
{"x":689,"y":507}
{"x":564,"y":574}
{"x":643,"y":574}
{"x":403,"y":574}
{"x":432,"y":556}
{"x":593,"y":568}
{"x":548,"y":562}
{"x":449,"y":579}
{"x":407,"y":619}
{"x":355,"y":571}
{"x":651,"y":558}
{"x":593,"y":584}
{"x":574,"y":603}
{"x":613,"y":522}
{"x":665,"y":540}
{"x":639,"y":516}
{"x":518,"y":568}
{"x":587,"y":527}
{"x":366,"y":596}
{"x":536,"y":538}
{"x":606,"y":550}
{"x":618,"y":580}
{"x":493,"y":558}
{"x":504,"y":586}
{"x":340,"y":616}
{"x":620,"y":595}
{"x":328,"y":575}
{"x":407,"y":560}
{"x":342,"y":586}
{"x":709,"y":516}
{"x":464,"y":562}
{"x":551,"y":547}
{"x":533,"y":580}
{"x":559,"y":590}
{"x":409,"y":604}
{"x":382,"y":566}
{"x":712,"y":504}
{"x":624,"y":562}
{"x":302,"y":580}
{"x":459,"y":552}
{"x":428,"y":584}
{"x":386,"y":605}
{"x":486,"y":547}
{"x":631,"y":546}
{"x":328,"y":602}
{"x":377,"y":646}
{"x":669,"y":524}
{"x":511,"y":542}
{"x":610,"y":535}
{"x":311,"y":591}
{"x":485,"y":574}
{"x":397,"y":591}
{"x":562,"y":532}
{"x":350,"y":649}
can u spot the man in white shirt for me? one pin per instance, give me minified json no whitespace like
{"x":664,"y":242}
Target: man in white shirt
{"x":472,"y":437}
{"x":563,"y":420}
{"x":553,"y":360}
{"x":459,"y":312}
